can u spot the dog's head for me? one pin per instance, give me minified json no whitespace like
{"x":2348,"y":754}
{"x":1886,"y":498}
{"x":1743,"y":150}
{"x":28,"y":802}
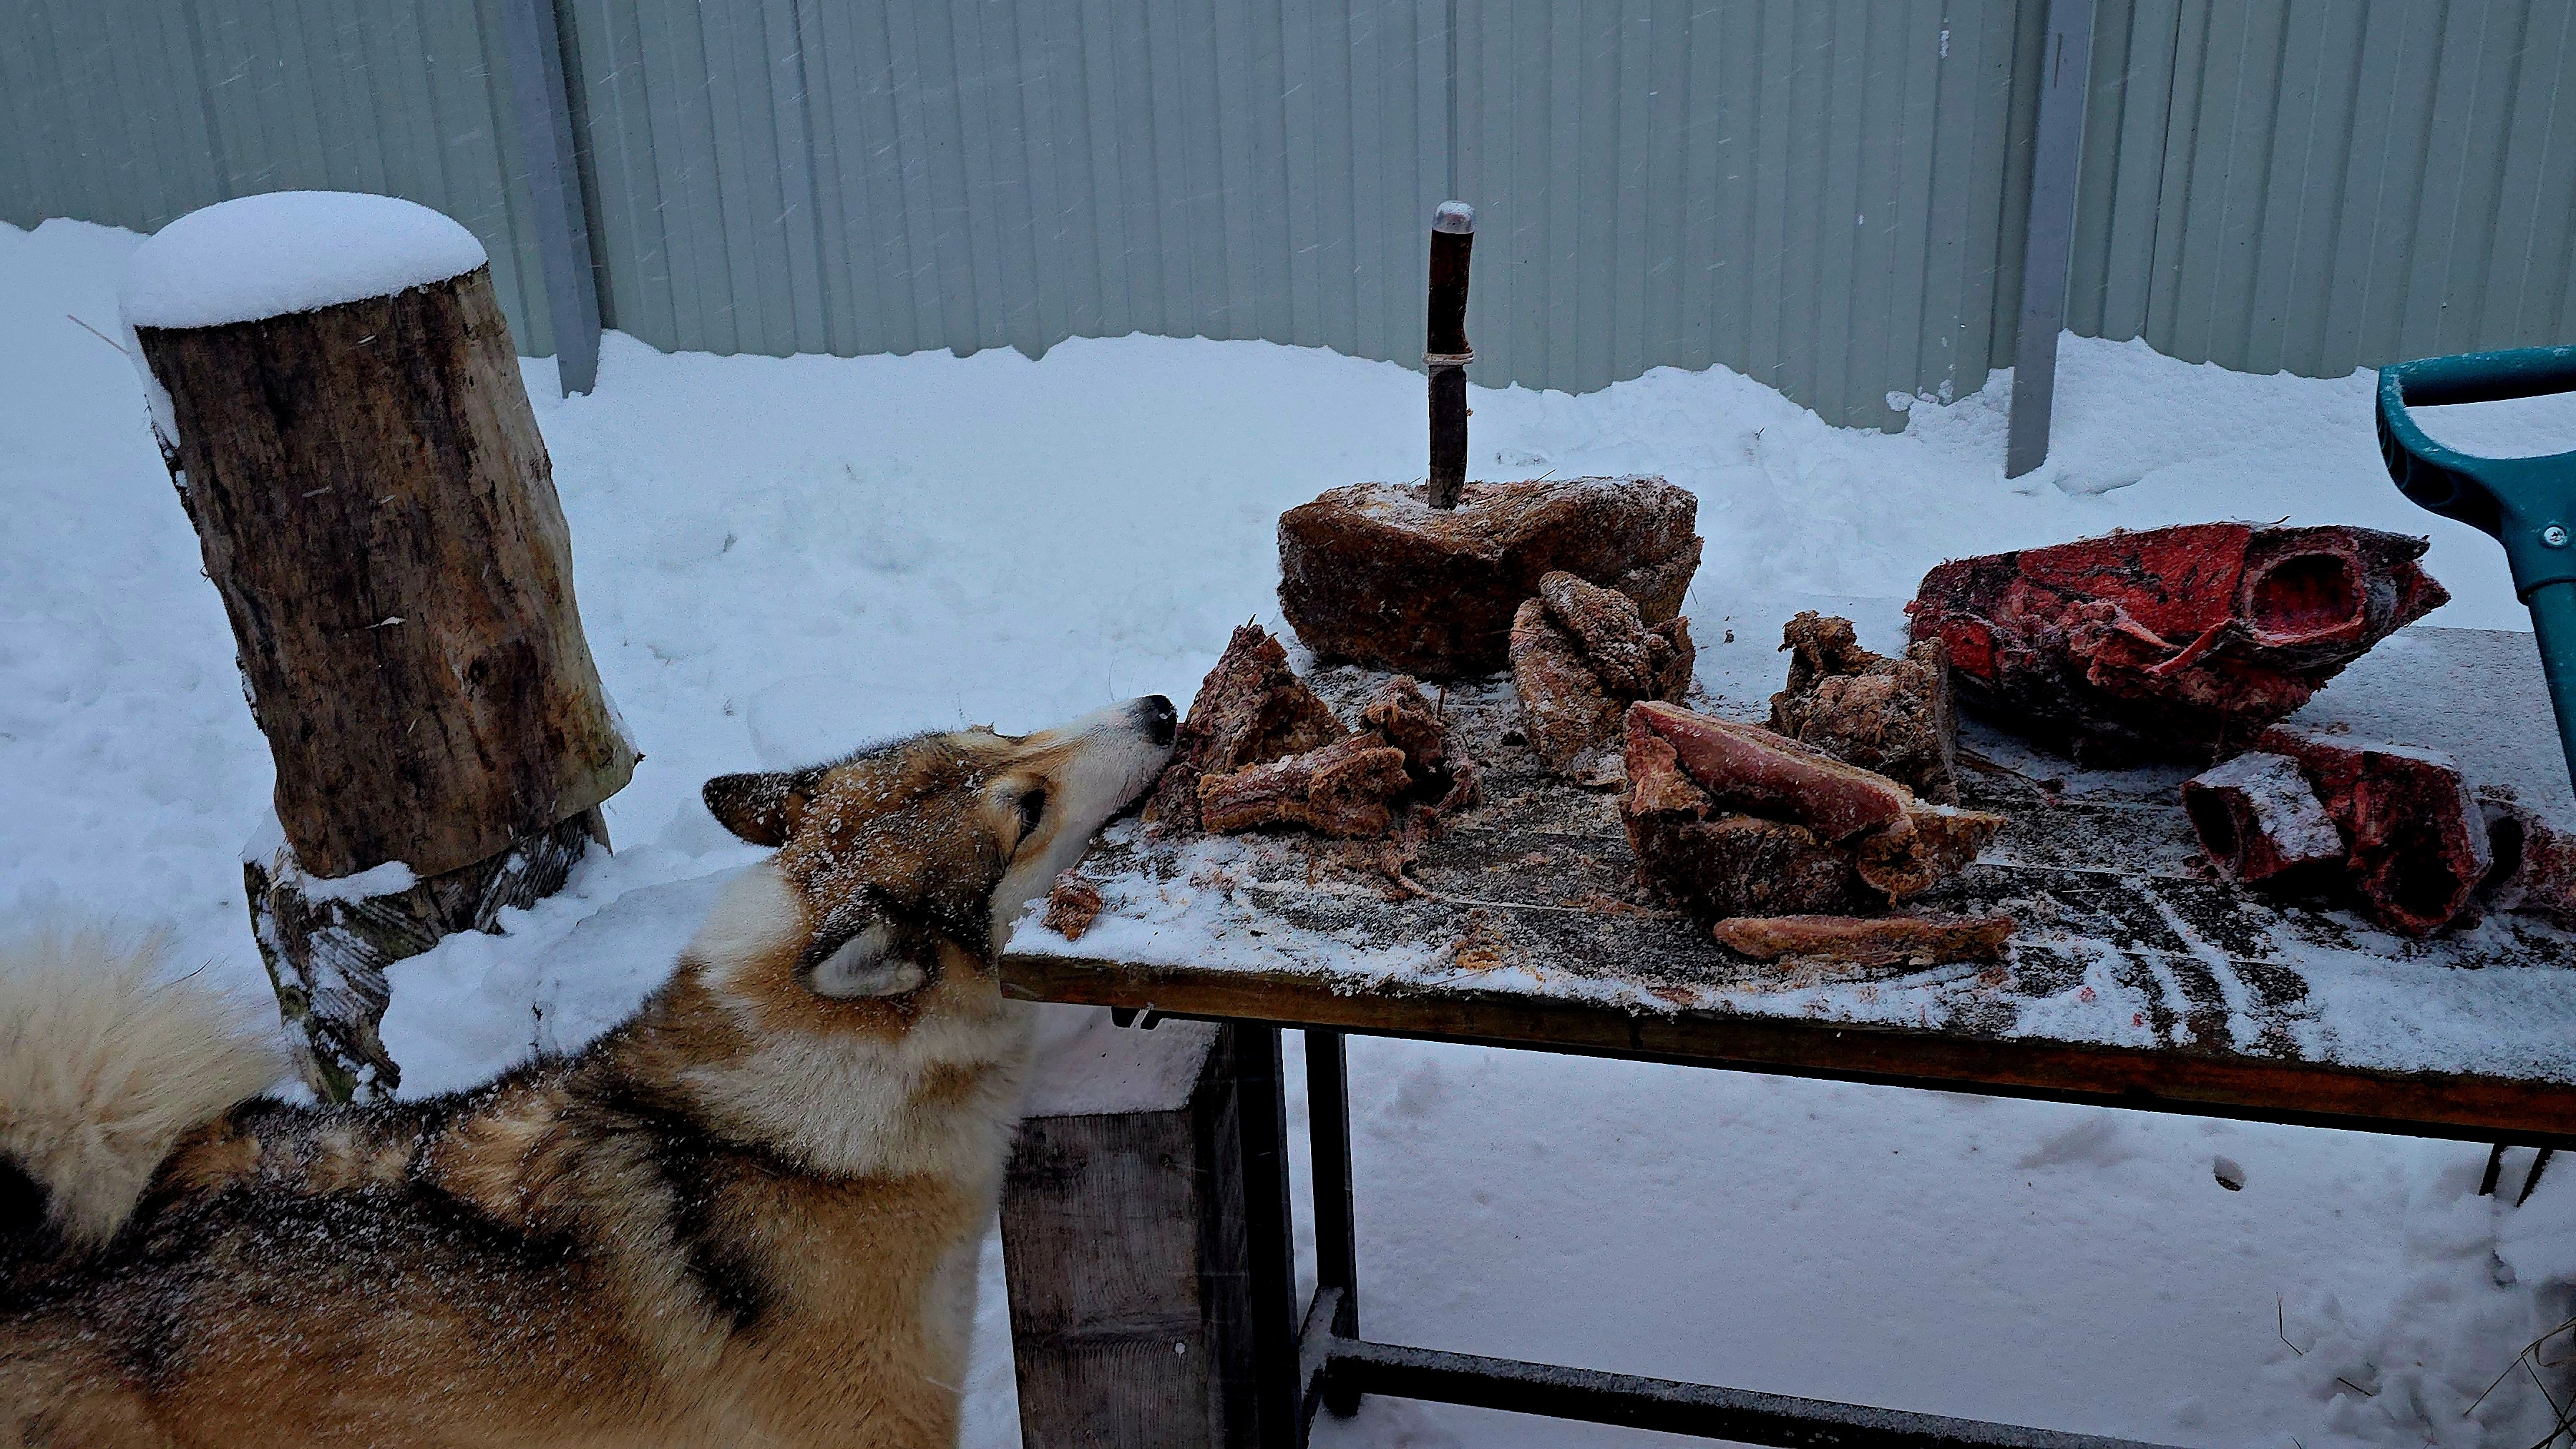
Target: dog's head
{"x":841,"y":1002}
{"x":902,"y":866}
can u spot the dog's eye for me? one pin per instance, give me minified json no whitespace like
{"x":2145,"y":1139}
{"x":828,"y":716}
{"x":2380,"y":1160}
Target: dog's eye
{"x":1032,"y":809}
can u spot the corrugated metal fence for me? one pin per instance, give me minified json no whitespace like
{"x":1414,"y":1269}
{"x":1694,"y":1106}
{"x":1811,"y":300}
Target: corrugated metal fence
{"x":1827,"y":196}
{"x":1823,"y":196}
{"x":812,"y":175}
{"x":2320,"y":185}
{"x":136,"y":112}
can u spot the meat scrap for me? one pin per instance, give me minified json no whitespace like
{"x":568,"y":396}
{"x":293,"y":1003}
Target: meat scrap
{"x":1466,"y":789}
{"x":2260,"y":821}
{"x":1353,"y":787}
{"x":1375,"y":574}
{"x":1868,"y":940}
{"x":1443,"y":783}
{"x":1400,"y":713}
{"x":1866,"y":709}
{"x":2534,"y":866}
{"x":1714,"y":864}
{"x":2178,"y":642}
{"x":1747,"y":769}
{"x":1732,"y":820}
{"x":2397,"y":829}
{"x":2416,"y":838}
{"x":1342,"y":789}
{"x":1072,"y":906}
{"x":1630,"y":657}
{"x":2411,"y":842}
{"x":1251,"y":708}
{"x":1932,"y":844}
{"x":1581,"y":654}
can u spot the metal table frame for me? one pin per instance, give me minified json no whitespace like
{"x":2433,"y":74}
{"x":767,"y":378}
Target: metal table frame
{"x":1312,"y":1355}
{"x":1303,"y":1360}
{"x":1317,"y":1358}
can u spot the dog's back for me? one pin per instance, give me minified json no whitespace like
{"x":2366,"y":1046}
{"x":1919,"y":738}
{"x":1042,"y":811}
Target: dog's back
{"x":750,"y":1214}
{"x":571,"y":1248}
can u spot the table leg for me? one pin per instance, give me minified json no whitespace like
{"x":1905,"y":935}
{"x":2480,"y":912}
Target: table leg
{"x":1328,"y":1112}
{"x":1271,"y":1254}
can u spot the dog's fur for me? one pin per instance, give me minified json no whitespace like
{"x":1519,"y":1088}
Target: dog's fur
{"x":748,"y":1215}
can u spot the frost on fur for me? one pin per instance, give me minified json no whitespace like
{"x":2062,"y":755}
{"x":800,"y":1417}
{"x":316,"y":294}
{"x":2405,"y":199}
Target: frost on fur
{"x":103,"y":1065}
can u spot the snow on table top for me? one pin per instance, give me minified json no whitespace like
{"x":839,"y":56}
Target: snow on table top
{"x":289,"y":251}
{"x":2121,"y":941}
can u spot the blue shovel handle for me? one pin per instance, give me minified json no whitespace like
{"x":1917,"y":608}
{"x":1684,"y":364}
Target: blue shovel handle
{"x":2527,"y":504}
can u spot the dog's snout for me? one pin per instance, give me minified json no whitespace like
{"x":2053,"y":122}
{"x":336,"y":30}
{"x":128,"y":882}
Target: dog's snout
{"x":1158,"y":717}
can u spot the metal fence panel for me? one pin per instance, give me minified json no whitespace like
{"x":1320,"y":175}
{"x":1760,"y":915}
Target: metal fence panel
{"x":1825,"y":194}
{"x":808,"y":176}
{"x":2315,"y":185}
{"x":136,"y":112}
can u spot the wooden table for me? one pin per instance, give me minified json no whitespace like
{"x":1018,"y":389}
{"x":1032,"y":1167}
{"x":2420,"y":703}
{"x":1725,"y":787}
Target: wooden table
{"x":2134,"y":981}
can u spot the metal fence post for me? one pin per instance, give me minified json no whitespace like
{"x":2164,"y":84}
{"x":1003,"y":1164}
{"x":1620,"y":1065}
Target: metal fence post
{"x":2048,"y":242}
{"x":531,"y":35}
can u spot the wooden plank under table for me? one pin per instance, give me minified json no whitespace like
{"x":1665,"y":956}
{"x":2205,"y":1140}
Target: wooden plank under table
{"x":2134,"y":981}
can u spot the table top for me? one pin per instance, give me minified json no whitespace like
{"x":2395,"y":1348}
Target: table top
{"x":2133,"y":979}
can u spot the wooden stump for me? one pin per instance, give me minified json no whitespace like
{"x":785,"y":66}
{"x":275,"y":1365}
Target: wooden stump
{"x":378,"y":513}
{"x":327,"y":943}
{"x":1122,"y":1236}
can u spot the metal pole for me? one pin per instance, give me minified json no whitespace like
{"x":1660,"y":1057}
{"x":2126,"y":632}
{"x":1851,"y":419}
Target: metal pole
{"x":544,"y":112}
{"x":2048,"y":242}
{"x":1328,"y":1116}
{"x":1270,"y":1258}
{"x":1739,"y":1416}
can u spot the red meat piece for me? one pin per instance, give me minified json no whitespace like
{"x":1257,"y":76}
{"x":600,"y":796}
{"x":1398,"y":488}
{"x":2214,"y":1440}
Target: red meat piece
{"x":2183,"y":642}
{"x":2417,"y":837}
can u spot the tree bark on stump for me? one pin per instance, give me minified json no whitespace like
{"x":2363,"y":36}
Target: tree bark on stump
{"x":378,"y":513}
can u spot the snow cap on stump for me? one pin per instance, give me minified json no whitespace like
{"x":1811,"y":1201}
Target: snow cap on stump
{"x":289,"y":251}
{"x":276,"y":254}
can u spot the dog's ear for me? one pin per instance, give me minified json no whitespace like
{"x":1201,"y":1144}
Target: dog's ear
{"x":880,"y":959}
{"x":765,"y":807}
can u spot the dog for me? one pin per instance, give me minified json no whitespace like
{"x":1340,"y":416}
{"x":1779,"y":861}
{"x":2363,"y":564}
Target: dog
{"x":748,"y":1215}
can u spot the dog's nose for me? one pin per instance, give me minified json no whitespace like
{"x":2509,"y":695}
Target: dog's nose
{"x":1159,"y":718}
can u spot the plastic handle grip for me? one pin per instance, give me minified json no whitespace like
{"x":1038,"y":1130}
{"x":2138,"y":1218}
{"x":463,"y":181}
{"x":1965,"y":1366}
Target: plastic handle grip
{"x":2528,"y":504}
{"x":2478,"y":377}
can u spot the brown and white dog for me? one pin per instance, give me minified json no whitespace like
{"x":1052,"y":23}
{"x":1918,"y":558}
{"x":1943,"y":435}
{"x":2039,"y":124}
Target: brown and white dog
{"x":749,"y":1215}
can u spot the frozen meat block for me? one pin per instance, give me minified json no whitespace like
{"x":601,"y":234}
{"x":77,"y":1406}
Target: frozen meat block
{"x":1374,"y":573}
{"x":1886,"y":714}
{"x":2180,"y":643}
{"x":1731,"y":819}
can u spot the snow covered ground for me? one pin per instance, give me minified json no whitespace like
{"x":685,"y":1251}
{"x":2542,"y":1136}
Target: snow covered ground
{"x":777,"y":559}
